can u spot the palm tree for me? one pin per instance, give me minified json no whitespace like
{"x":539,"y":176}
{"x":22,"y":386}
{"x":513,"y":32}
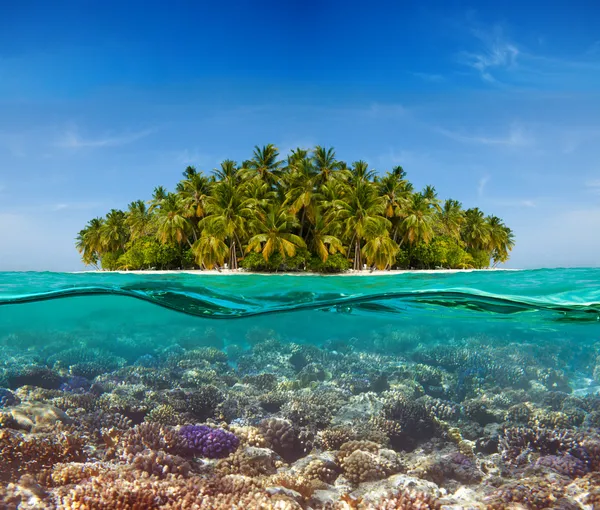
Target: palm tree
{"x":360,"y":211}
{"x":89,"y":242}
{"x":273,"y":233}
{"x":274,"y":205}
{"x":380,"y":250}
{"x":417,"y":225}
{"x":396,"y":192}
{"x":114,"y":233}
{"x":325,"y":164}
{"x":501,"y":239}
{"x":321,"y":240}
{"x":451,"y":219}
{"x":476,"y":231}
{"x":295,"y":158}
{"x":138,"y":220}
{"x":193,"y":192}
{"x":227,"y":211}
{"x":172,"y":224}
{"x":360,"y":172}
{"x":210,"y":251}
{"x":265,"y":165}
{"x":302,"y":191}
{"x":430,"y":194}
{"x":159,"y":194}
{"x":229,"y":172}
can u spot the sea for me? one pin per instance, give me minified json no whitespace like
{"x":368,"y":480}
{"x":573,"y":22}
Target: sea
{"x":521,"y":346}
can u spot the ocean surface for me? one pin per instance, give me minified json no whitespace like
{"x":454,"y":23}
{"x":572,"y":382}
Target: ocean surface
{"x":404,"y":361}
{"x":543,"y":305}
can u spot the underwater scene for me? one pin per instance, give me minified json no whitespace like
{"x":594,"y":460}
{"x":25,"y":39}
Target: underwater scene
{"x":465,"y":390}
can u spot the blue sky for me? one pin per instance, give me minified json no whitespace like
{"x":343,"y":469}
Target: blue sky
{"x":495,"y":103}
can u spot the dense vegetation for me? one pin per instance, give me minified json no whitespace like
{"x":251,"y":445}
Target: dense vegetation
{"x":309,"y":211}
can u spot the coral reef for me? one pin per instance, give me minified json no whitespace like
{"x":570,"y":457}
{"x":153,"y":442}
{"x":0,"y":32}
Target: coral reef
{"x":205,"y":441}
{"x":386,"y":423}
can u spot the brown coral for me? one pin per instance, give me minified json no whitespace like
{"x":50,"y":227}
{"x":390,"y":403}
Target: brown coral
{"x":29,"y":453}
{"x":282,"y":437}
{"x":361,"y":466}
{"x":406,"y":500}
{"x":534,"y":494}
{"x":333,"y":439}
{"x":321,"y":470}
{"x":249,"y":436}
{"x":73,"y":472}
{"x":160,"y":464}
{"x":351,"y":446}
{"x":163,"y":414}
{"x":151,"y":436}
{"x":247,"y":462}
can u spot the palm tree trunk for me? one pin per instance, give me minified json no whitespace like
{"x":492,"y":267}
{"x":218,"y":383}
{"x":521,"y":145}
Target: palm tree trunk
{"x":302,"y":221}
{"x":357,"y":258}
{"x":232,"y":256}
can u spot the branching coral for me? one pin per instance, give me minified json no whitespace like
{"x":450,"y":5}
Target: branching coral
{"x":334,"y":438}
{"x":29,"y":453}
{"x":248,"y":462}
{"x":152,"y":436}
{"x":406,"y":500}
{"x":160,"y":464}
{"x":516,"y":444}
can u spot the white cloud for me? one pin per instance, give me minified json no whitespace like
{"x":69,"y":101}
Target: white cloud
{"x":71,"y":139}
{"x":499,"y":60}
{"x":496,"y":53}
{"x":513,"y":202}
{"x":516,"y":137}
{"x":482,"y":183}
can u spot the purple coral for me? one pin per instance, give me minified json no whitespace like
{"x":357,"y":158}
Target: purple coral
{"x":565,"y":465}
{"x":208,"y":442}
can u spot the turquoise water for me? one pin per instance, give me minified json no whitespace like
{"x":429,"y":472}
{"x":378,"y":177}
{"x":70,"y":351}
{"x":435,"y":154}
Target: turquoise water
{"x":508,"y":304}
{"x":457,"y":371}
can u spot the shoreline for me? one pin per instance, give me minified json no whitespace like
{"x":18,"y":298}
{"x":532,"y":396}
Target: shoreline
{"x":367,"y":272}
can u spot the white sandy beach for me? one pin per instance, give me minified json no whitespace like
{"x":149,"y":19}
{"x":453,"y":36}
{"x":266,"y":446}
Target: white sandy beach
{"x":366,"y":272}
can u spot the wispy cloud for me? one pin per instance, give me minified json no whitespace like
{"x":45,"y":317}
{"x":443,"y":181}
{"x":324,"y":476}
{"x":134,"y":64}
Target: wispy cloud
{"x":482,"y":184}
{"x":430,"y":77}
{"x":495,"y":52}
{"x":499,"y":60}
{"x":192,"y":157}
{"x":386,"y":110}
{"x":71,"y":139}
{"x":593,"y":186}
{"x":513,"y":202}
{"x":516,"y":137}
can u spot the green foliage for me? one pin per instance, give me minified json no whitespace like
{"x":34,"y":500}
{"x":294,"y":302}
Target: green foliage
{"x":402,"y":259}
{"x":337,"y":263}
{"x":481,"y":258}
{"x":110,"y":260}
{"x":308,"y":210}
{"x":256,"y":262}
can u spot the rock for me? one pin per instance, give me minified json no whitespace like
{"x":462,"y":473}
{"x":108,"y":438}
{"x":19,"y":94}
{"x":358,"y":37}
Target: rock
{"x":28,"y":416}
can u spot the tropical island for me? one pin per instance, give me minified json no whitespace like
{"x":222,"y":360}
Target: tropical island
{"x":307,"y":212}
